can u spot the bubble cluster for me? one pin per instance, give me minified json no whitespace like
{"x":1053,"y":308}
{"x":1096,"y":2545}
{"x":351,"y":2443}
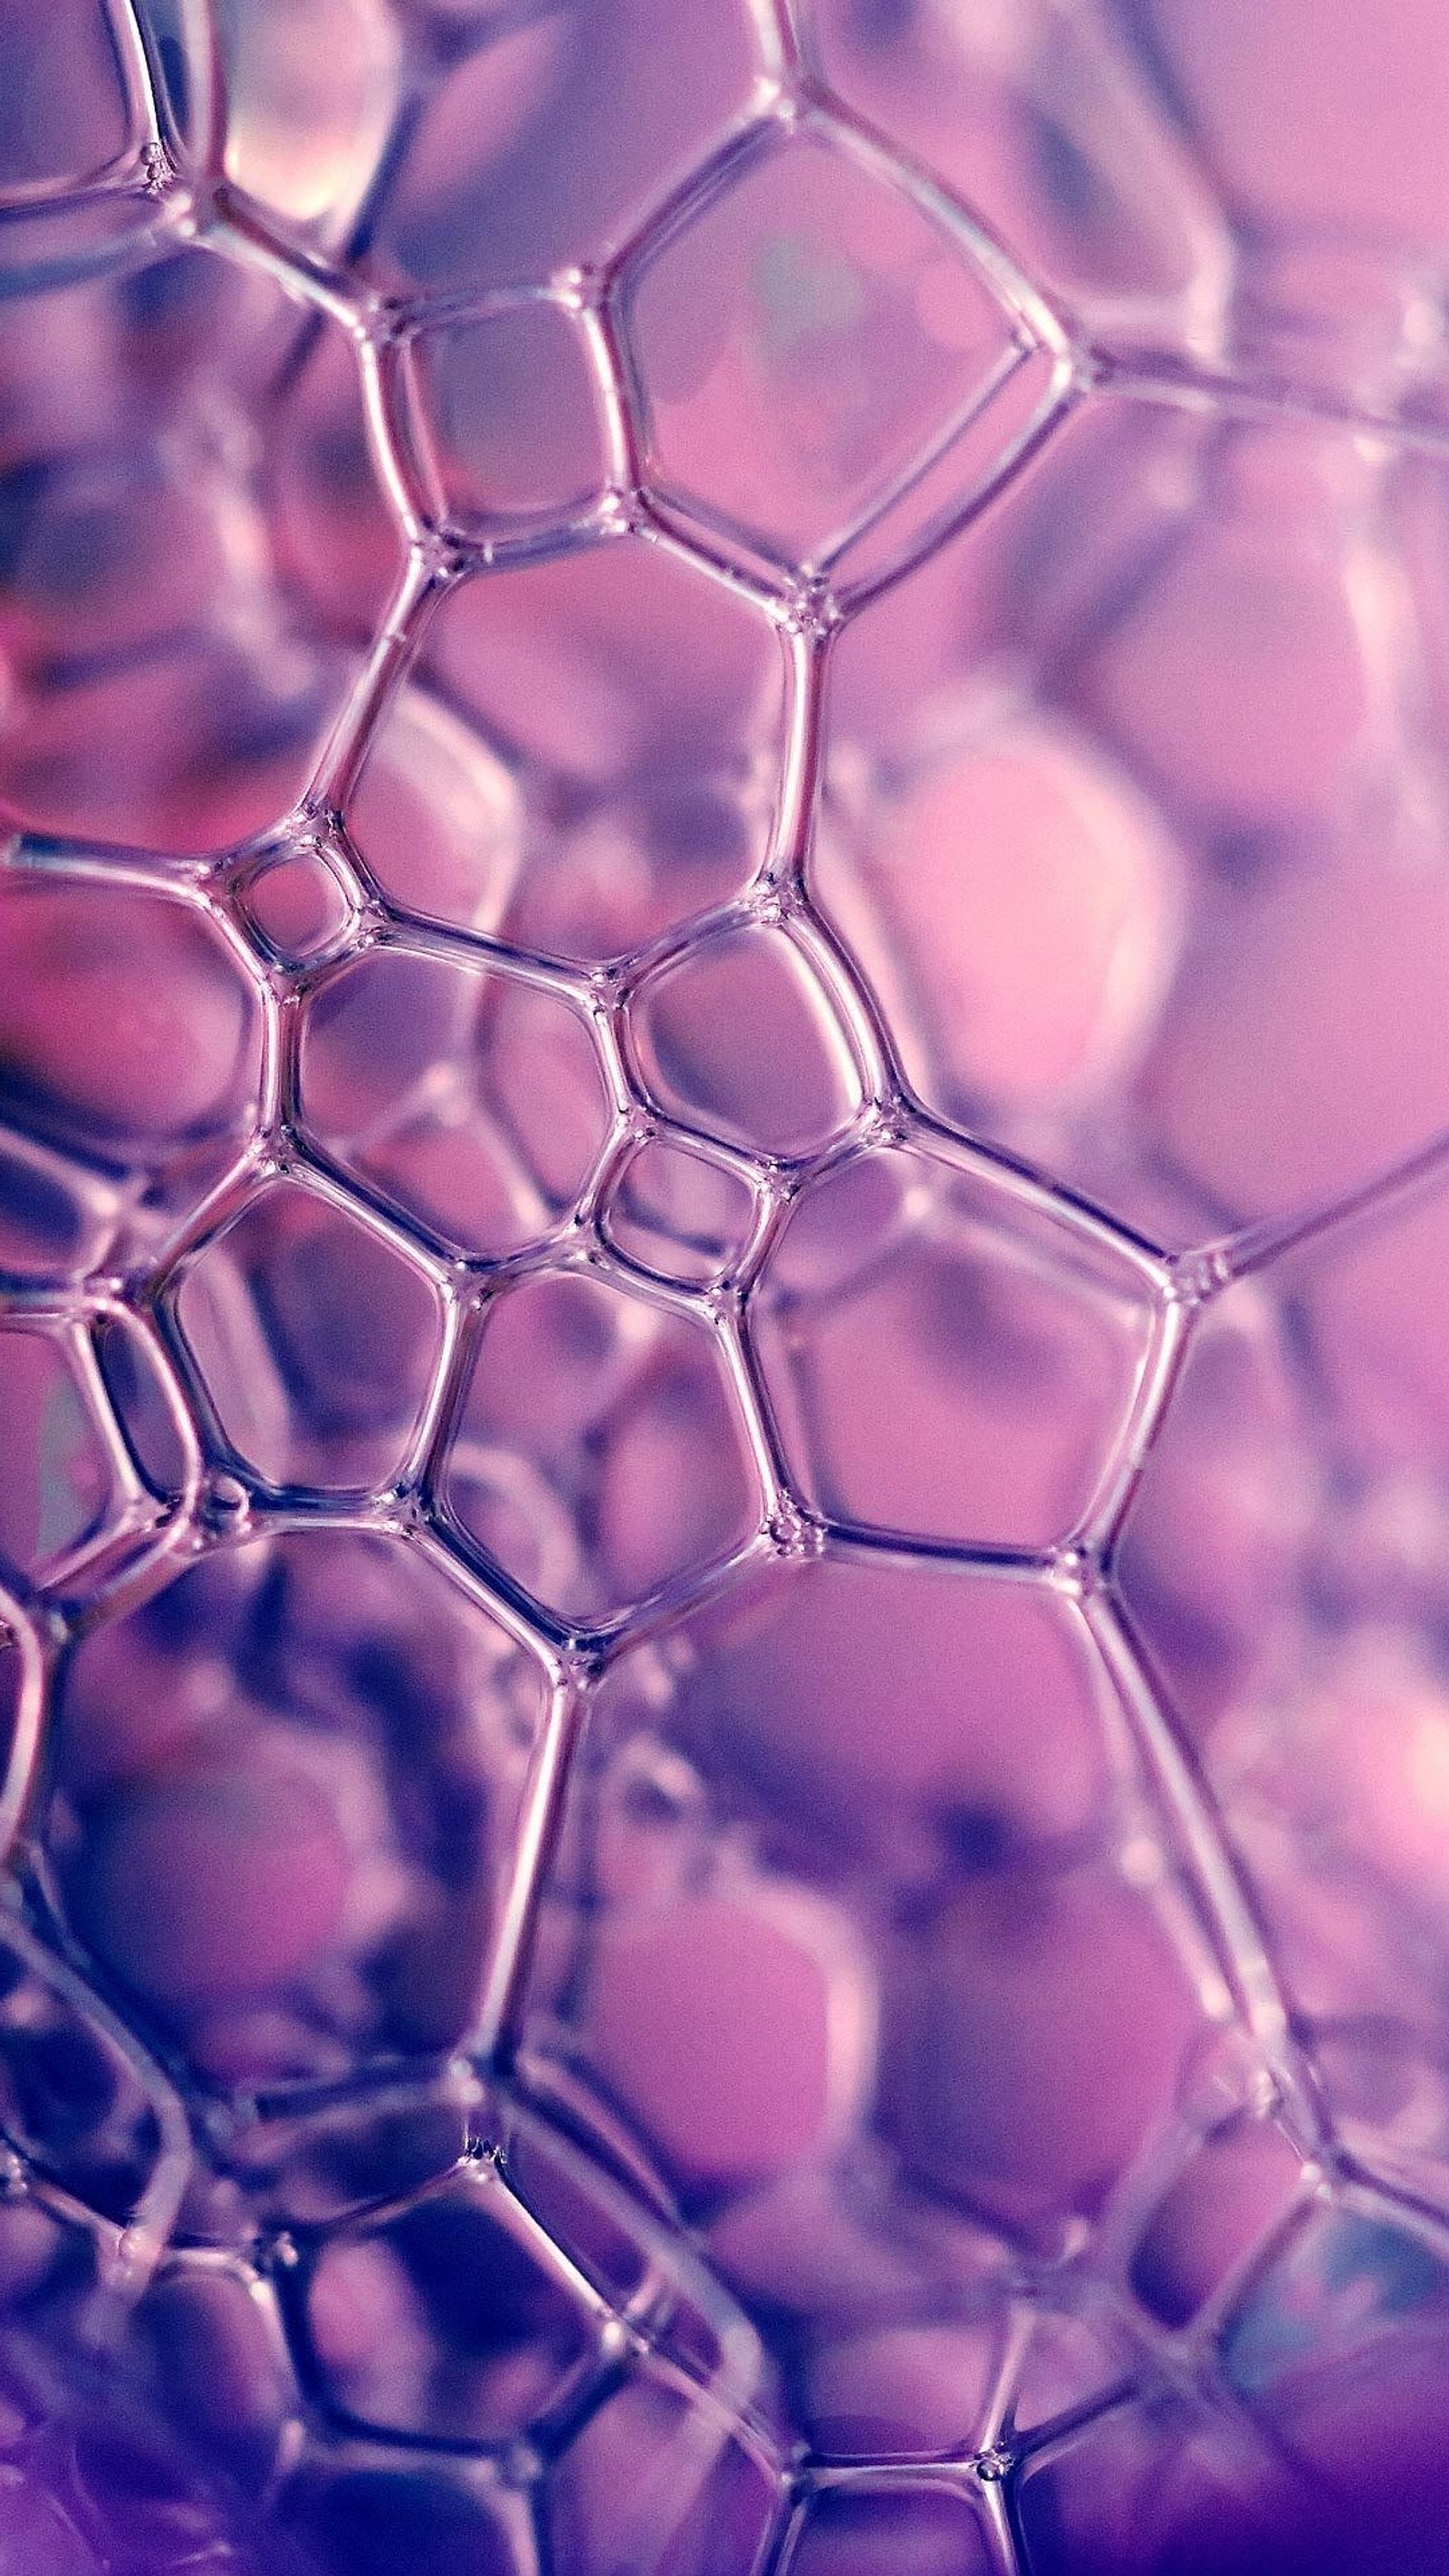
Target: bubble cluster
{"x":724,"y":1183}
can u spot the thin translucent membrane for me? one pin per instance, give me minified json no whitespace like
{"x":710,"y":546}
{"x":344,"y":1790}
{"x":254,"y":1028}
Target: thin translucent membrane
{"x":724,"y":1191}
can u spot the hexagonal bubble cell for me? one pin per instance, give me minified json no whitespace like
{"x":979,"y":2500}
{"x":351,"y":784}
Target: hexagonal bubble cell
{"x":679,"y":1215}
{"x":947,"y":1356}
{"x":1082,"y":904}
{"x":604,"y":761}
{"x":493,"y":152}
{"x":502,"y":419}
{"x":808,"y":339}
{"x":314,"y":1338}
{"x":599,"y":1452}
{"x":325,"y":1735}
{"x":795,"y":1087}
{"x":130,"y":1063}
{"x":472,"y":1101}
{"x":168,"y":687}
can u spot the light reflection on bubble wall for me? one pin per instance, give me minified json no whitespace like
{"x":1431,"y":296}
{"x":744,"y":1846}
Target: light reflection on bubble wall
{"x":724,"y":1190}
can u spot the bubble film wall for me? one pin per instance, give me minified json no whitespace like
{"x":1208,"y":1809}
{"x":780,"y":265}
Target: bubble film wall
{"x":724,"y":1394}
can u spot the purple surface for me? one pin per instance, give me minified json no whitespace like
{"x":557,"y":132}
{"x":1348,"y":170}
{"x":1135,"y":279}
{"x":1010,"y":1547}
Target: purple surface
{"x":724,"y":1395}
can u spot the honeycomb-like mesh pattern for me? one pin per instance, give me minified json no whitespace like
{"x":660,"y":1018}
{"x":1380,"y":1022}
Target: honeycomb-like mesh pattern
{"x":725,"y":1424}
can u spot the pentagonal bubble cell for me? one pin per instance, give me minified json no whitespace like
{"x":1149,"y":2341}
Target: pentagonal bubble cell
{"x":921,"y":2530}
{"x":473,"y":1101}
{"x":453,"y":2321}
{"x":168,"y":687}
{"x":66,"y":118}
{"x":534,"y":146}
{"x":315,"y":1339}
{"x":599,"y":1452}
{"x":605,"y":760}
{"x":362,"y":2516}
{"x":503,"y":419}
{"x":945,"y":1357}
{"x":679,"y":1215}
{"x":74,"y":2105}
{"x":806,"y":339}
{"x":130,"y":1049}
{"x":325,"y":1736}
{"x":661,"y":2481}
{"x":797,"y":1083}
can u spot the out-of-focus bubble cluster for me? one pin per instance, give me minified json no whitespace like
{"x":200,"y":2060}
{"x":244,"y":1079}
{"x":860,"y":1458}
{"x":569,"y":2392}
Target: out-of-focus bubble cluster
{"x":724,"y":1402}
